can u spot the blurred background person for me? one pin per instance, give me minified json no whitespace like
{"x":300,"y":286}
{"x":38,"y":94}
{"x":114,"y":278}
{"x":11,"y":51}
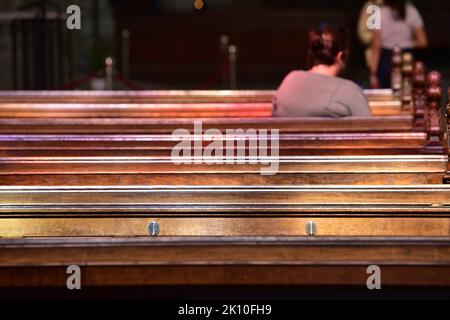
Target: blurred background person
{"x":401,"y":25}
{"x":364,"y":33}
{"x":319,"y":92}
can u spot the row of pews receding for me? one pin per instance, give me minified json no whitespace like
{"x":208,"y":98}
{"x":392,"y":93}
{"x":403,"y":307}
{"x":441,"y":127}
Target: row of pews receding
{"x":87,"y":179}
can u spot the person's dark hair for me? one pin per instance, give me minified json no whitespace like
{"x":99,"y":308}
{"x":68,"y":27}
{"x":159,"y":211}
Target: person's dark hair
{"x":399,"y":7}
{"x":325,"y":43}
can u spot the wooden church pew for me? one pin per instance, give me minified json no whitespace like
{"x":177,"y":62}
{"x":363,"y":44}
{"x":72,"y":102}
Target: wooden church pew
{"x":332,"y":261}
{"x":112,"y":108}
{"x":179,"y":110}
{"x":157,"y":97}
{"x":365,"y":207}
{"x":147,"y":158}
{"x":45,"y":123}
{"x":349,"y":170}
{"x":153,"y":104}
{"x":322,"y":221}
{"x":34,"y":165}
{"x":164,"y":103}
{"x":446,"y":138}
{"x":161,"y":145}
{"x":167,"y":126}
{"x":47,"y":133}
{"x":143,"y":179}
{"x":195,"y":210}
{"x":412,"y":219}
{"x":177,"y":104}
{"x":112,"y":211}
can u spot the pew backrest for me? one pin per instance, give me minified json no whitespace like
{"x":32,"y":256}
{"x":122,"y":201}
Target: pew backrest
{"x":156,"y":97}
{"x":166,"y":126}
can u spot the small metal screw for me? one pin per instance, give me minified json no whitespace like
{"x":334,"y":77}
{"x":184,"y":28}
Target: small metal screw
{"x":154,"y":229}
{"x":311,"y":228}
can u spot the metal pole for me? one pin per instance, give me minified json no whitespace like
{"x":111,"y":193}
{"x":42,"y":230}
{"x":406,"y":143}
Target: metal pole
{"x":26,"y":27}
{"x":126,"y":53}
{"x":15,"y":59}
{"x":224,"y":42}
{"x":224,"y":45}
{"x":109,"y":73}
{"x":232,"y":56}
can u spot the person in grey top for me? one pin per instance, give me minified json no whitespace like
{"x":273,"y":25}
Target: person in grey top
{"x":319,"y":92}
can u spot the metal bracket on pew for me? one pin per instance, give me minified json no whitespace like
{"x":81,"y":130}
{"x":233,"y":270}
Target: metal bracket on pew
{"x":435,"y":136}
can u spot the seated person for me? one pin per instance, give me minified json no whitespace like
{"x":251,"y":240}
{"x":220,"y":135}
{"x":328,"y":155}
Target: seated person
{"x":319,"y":92}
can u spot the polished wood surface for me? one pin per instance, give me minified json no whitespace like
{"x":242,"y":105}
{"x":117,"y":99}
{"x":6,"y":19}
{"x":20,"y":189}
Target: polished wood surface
{"x":225,"y":261}
{"x":446,"y":137}
{"x":433,"y":123}
{"x":373,"y":194}
{"x":149,"y":165}
{"x":69,"y":125}
{"x":225,"y":226}
{"x":159,"y":104}
{"x":128,"y":170}
{"x":184,"y":110}
{"x":155,"y":96}
{"x":377,"y":170}
{"x":381,"y":141}
{"x":197,"y":179}
{"x":140,"y":110}
{"x":218,"y":198}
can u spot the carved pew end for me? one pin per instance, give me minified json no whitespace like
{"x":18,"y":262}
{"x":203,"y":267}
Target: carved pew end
{"x":396,"y":77}
{"x":419,"y":96}
{"x":446,"y":135}
{"x":435,"y":136}
{"x":407,"y":82}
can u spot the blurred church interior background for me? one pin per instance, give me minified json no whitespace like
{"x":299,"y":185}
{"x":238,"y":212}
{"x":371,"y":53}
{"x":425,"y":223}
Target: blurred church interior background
{"x":175,"y":44}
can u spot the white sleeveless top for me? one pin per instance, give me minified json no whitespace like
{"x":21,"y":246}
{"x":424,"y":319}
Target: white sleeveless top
{"x":399,"y":32}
